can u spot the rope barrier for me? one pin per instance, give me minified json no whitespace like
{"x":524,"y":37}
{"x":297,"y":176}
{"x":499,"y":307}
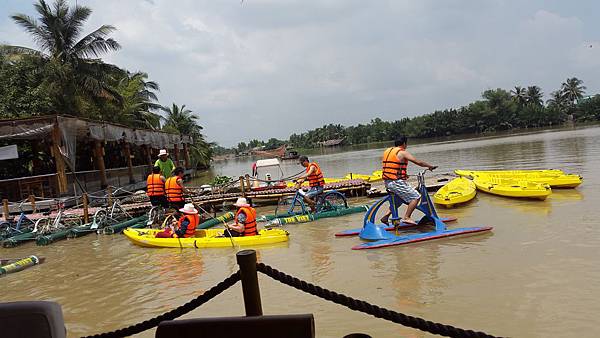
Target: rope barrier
{"x":362,"y":306}
{"x":175,"y":313}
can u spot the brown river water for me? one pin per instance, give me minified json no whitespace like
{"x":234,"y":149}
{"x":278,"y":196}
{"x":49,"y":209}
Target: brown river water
{"x":535,"y":275}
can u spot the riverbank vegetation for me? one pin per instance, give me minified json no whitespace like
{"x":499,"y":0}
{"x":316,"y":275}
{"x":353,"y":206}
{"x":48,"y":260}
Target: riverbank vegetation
{"x":66,"y":75}
{"x":498,"y":110}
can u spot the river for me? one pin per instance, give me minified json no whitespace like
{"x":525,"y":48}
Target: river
{"x":535,"y":275}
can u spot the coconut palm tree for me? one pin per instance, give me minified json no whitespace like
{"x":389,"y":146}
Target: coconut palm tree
{"x":519,"y":95}
{"x":73,"y":61}
{"x":557,"y":99}
{"x":573,"y":90}
{"x":182,"y":120}
{"x":139,"y":100}
{"x":534,"y":95}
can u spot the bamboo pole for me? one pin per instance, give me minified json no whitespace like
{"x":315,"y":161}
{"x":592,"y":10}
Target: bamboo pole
{"x":5,"y":209}
{"x":86,"y":215}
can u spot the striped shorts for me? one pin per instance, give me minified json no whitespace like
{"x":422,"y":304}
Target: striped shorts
{"x":402,"y":189}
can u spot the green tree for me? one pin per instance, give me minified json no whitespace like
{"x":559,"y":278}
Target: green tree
{"x":519,"y":95}
{"x":72,"y":62}
{"x":535,"y":96}
{"x":139,"y":100}
{"x":573,"y":90}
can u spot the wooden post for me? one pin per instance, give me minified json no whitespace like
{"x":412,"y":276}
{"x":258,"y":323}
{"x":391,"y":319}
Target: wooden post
{"x":99,"y":159}
{"x":246,"y":260}
{"x":5,"y":209}
{"x":176,"y":154}
{"x":127,"y":151}
{"x":109,"y":193}
{"x":61,"y":176}
{"x":186,"y":155}
{"x":248,"y":181}
{"x":242,"y":186}
{"x":148,"y":154}
{"x":86,"y":215}
{"x":31,"y":199}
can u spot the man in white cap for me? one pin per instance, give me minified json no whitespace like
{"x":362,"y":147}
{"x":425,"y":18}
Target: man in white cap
{"x":245,"y":220}
{"x":186,"y":225}
{"x":165,"y":163}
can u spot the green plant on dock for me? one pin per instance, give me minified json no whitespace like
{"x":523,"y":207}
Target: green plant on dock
{"x":221,"y":180}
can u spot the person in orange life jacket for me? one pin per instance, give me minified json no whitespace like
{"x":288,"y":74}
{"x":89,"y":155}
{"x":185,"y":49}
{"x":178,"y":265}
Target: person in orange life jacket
{"x":395,"y":162}
{"x":315,"y":178}
{"x":175,"y":190}
{"x":184,"y":227}
{"x":245,"y":220}
{"x":155,"y":188}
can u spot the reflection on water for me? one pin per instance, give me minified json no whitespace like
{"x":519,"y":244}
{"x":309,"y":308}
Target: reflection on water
{"x":535,"y":275}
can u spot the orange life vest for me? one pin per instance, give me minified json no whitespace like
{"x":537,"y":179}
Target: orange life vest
{"x":154,"y":185}
{"x":174,"y":190}
{"x":250,"y":223}
{"x":191,"y":228}
{"x":393,"y":169}
{"x":315,"y":179}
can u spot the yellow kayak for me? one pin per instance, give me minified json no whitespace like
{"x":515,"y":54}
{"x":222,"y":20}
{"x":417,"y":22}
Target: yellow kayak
{"x":459,"y":190}
{"x":376,"y":176}
{"x":463,"y":172}
{"x":554,"y":178}
{"x":205,"y":238}
{"x":511,"y":187}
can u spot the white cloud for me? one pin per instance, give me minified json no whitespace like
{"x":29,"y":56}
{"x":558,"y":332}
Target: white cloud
{"x":267,"y":68}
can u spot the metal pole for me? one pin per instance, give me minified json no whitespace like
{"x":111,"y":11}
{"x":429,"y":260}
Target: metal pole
{"x":246,"y":259}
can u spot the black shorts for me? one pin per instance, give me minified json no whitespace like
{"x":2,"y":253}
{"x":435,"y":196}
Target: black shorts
{"x":233,"y":233}
{"x":159,"y":201}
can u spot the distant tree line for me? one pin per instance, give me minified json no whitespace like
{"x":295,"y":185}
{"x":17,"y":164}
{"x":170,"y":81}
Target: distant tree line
{"x":499,"y":109}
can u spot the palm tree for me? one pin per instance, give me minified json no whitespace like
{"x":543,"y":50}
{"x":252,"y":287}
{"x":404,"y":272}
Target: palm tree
{"x":573,"y":90}
{"x":181,"y":120}
{"x":557,"y":99}
{"x":535,"y":95}
{"x":139,"y":100}
{"x":519,"y":95}
{"x":74,"y":62}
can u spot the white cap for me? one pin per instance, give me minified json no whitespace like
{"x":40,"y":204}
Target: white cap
{"x":162,"y":152}
{"x":241,"y":202}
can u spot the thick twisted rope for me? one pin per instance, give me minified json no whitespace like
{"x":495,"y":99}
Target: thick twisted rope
{"x":362,"y":306}
{"x":177,"y":312}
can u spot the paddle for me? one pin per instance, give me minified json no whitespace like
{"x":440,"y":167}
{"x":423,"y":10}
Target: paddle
{"x":224,"y":223}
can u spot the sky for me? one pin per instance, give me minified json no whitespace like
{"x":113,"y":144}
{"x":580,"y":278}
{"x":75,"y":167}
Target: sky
{"x":270,"y":68}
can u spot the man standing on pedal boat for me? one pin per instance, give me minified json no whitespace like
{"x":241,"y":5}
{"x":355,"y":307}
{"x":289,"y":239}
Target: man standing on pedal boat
{"x":395,"y":164}
{"x":315,"y":179}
